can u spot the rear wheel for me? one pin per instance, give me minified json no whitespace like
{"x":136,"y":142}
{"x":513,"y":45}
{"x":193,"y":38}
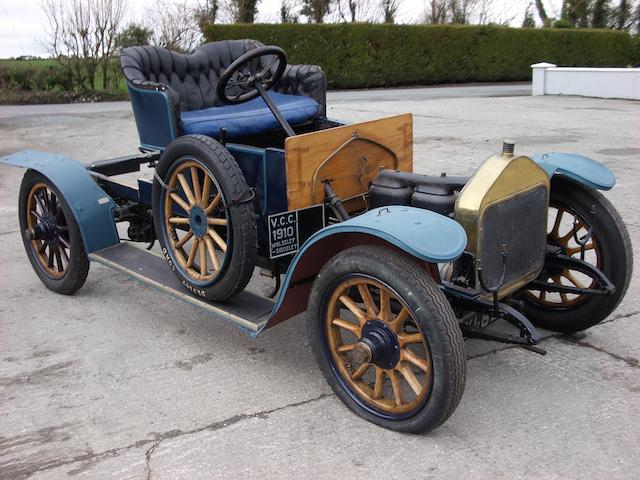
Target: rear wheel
{"x":577,"y":213}
{"x":204,"y":217}
{"x":386,"y":339}
{"x":51,"y":235}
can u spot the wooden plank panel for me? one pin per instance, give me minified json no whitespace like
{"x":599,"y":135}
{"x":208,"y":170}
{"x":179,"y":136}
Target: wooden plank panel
{"x":354,"y":166}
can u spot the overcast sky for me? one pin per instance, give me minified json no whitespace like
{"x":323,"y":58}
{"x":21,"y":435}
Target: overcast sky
{"x":22,"y":22}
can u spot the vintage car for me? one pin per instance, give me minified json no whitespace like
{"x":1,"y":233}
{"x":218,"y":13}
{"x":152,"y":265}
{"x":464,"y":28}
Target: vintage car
{"x":393,"y":268}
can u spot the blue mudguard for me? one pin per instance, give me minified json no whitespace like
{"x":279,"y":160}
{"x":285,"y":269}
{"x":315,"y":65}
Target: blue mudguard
{"x":91,"y":206}
{"x":422,"y":234}
{"x":576,"y":167}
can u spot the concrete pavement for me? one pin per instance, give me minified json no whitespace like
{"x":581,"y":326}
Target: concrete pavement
{"x":120,"y":381}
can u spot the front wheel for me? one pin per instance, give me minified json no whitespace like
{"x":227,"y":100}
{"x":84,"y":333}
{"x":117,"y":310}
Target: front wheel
{"x":386,"y":339}
{"x":579,"y":213}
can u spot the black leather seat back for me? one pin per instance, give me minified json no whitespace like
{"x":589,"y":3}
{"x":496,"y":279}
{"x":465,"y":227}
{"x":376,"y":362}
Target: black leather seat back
{"x":193,"y":76}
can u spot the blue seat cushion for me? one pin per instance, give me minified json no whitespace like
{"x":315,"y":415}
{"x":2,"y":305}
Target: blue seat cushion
{"x":250,"y":117}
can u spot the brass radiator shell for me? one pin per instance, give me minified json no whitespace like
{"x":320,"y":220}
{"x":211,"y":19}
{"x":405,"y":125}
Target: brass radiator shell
{"x":503,"y":180}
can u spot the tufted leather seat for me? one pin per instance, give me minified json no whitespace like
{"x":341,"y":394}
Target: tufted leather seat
{"x":190,"y":82}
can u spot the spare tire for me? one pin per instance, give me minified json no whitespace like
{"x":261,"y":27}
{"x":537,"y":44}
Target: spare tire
{"x":204,"y":217}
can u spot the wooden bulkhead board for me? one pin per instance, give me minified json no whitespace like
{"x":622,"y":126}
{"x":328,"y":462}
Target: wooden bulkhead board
{"x":350,"y":168}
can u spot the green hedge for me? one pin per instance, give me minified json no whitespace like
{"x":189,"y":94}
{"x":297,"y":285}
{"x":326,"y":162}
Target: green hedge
{"x":375,"y":55}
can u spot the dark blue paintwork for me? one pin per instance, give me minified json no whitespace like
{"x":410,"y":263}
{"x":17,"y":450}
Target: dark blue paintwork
{"x":91,"y":206}
{"x":577,"y":167}
{"x":155,"y":118}
{"x":423,"y":234}
{"x":264,"y":170}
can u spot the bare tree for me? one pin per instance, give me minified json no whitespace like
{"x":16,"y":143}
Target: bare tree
{"x":175,"y":26}
{"x":288,"y":12}
{"x":390,"y":10}
{"x":356,"y":11}
{"x":71,"y":39}
{"x":107,"y":18}
{"x":206,"y":12}
{"x":316,"y":10}
{"x":436,"y":12}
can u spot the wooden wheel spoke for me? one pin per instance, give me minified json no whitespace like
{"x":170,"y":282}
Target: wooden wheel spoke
{"x":50,"y":257}
{"x":195,"y":181}
{"x":397,"y":323}
{"x":354,"y":308}
{"x":372,"y":311}
{"x":36,"y":214}
{"x":574,"y":230}
{"x":59,"y":260}
{"x":176,"y":198}
{"x":411,"y":378}
{"x":352,"y":327}
{"x":192,"y":253}
{"x":346,"y":348}
{"x":569,"y":276}
{"x":65,"y":257}
{"x":385,"y":305}
{"x":360,"y":371}
{"x":40,"y":202}
{"x":186,"y":189}
{"x":203,"y":258}
{"x":574,"y":250}
{"x":42,"y":247}
{"x":212,"y":253}
{"x":556,"y":224}
{"x":405,"y":338}
{"x":53,"y":204}
{"x":217,"y":221}
{"x":214,"y":203}
{"x":179,"y":221}
{"x":379,"y":384}
{"x":180,"y":243}
{"x":218,"y":239}
{"x":412,"y":357}
{"x":206,"y":189}
{"x":395,"y":385}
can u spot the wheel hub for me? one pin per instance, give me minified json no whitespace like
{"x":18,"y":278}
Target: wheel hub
{"x":198,"y":221}
{"x":378,"y":344}
{"x":44,"y":230}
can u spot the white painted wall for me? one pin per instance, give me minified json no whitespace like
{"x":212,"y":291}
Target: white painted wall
{"x":548,"y":79}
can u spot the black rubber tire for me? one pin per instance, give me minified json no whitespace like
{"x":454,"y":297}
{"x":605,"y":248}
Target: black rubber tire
{"x":616,"y":259}
{"x":78,"y":268}
{"x":220,"y":163}
{"x":431,"y":309}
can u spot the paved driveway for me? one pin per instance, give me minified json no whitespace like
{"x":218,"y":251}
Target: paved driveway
{"x":119,"y":381}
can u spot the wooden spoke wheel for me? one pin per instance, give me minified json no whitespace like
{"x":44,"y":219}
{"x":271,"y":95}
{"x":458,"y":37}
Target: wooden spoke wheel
{"x":578,"y":214}
{"x":567,"y":230}
{"x":377,"y":346}
{"x":197,"y":221}
{"x":51,"y":235}
{"x":386,"y":339}
{"x":47,"y":230}
{"x":204,"y":217}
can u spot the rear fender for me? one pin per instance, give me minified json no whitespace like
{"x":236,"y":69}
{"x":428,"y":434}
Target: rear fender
{"x":91,"y":206}
{"x":578,"y":168}
{"x":420,"y":234}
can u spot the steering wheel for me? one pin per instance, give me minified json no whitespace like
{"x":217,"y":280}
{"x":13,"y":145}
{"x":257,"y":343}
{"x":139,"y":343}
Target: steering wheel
{"x":245,"y":77}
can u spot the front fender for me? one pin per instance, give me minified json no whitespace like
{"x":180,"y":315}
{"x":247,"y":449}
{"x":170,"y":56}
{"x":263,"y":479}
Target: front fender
{"x":91,"y":206}
{"x":421,"y":234}
{"x":577,"y":167}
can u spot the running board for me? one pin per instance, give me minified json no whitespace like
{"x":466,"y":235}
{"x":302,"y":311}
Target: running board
{"x":247,"y":310}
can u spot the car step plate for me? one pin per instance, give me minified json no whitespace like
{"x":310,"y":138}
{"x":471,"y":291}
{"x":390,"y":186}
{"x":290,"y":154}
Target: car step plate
{"x":247,"y":310}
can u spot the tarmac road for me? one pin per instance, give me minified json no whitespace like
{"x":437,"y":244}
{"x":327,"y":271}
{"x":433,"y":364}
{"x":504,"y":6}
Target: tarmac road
{"x":120,"y":381}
